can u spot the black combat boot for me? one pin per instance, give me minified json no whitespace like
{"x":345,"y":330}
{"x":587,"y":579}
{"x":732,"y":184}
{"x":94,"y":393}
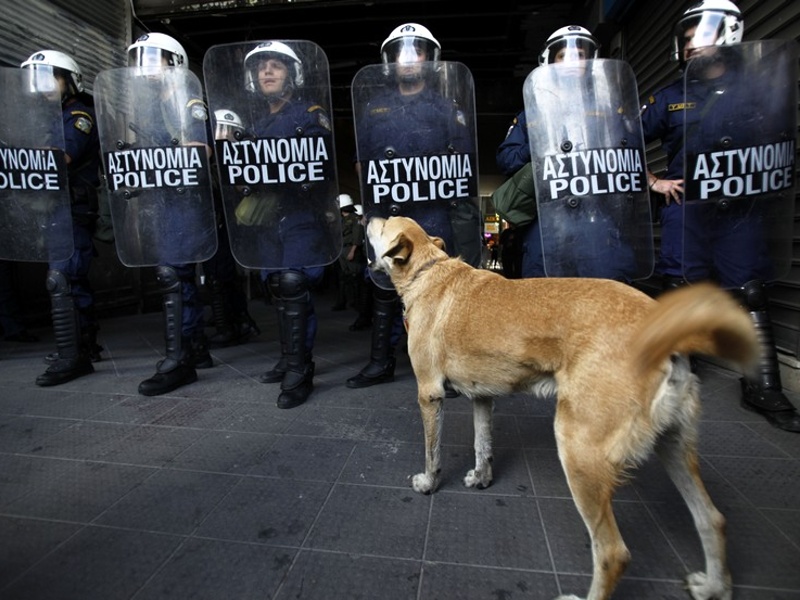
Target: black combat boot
{"x":88,"y":338}
{"x":298,"y":381}
{"x":276,"y":373}
{"x":89,"y":341}
{"x":233,"y":323}
{"x":175,"y":370}
{"x":380,"y":368}
{"x":764,"y":395}
{"x":362,"y":294}
{"x":221,"y":316}
{"x":72,"y":361}
{"x":199,"y":356}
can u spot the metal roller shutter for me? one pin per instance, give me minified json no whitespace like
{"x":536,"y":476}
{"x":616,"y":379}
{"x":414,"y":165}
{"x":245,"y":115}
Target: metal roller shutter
{"x":95,"y":32}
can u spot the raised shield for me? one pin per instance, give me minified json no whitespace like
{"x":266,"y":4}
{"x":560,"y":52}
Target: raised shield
{"x":277,"y":174}
{"x":739,"y":170}
{"x":589,"y":170}
{"x":35,"y":219}
{"x":417,"y":152}
{"x":153,"y":129}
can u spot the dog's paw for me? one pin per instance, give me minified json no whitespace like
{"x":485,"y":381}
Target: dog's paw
{"x":423,"y":483}
{"x":478,"y":479}
{"x":570,"y":597}
{"x":700,"y":588}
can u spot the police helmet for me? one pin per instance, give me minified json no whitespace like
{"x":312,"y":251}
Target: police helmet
{"x":575,"y":39}
{"x":272,"y":49}
{"x":54,"y":63}
{"x":408,"y":38}
{"x":227,"y":125}
{"x":151,"y":49}
{"x":716,"y":23}
{"x":359,"y":210}
{"x":345,"y":202}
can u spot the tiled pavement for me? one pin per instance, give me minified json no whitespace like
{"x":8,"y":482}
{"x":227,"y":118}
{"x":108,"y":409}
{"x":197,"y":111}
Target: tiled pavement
{"x":212,"y":492}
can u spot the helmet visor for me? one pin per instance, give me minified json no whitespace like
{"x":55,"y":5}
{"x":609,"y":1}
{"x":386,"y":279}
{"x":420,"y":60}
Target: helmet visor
{"x":699,"y":32}
{"x":572,"y":49}
{"x":409,"y":50}
{"x":42,"y":79}
{"x":149,"y":56}
{"x":225,"y":131}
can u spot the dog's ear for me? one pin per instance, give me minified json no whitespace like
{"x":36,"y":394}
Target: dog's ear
{"x":439,"y":243}
{"x":401,"y":249}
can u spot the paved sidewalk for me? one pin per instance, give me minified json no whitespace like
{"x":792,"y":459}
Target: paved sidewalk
{"x":214,"y":493}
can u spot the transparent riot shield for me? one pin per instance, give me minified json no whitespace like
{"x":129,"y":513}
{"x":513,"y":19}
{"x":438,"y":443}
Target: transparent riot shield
{"x":739,"y":169}
{"x":277,"y":170}
{"x":153,"y":128}
{"x":589,"y":170}
{"x":417,"y":151}
{"x":35,"y":219}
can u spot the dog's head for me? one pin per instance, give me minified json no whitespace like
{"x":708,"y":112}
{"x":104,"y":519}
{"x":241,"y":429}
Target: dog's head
{"x":399,"y":243}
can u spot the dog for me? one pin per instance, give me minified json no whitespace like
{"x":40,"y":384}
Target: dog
{"x":616,"y":359}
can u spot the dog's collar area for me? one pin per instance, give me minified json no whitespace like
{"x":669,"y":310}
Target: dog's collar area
{"x":425,"y":267}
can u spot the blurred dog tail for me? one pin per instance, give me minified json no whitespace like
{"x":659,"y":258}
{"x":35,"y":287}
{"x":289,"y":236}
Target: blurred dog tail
{"x":699,"y":318}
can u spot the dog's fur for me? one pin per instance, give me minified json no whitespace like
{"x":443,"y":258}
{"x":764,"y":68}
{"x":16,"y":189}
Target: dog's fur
{"x":615,"y":358}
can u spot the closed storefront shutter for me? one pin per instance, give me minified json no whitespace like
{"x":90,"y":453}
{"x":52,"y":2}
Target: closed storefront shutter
{"x":95,"y":32}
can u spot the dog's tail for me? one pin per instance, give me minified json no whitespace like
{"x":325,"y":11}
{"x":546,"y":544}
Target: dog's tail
{"x":700,"y":318}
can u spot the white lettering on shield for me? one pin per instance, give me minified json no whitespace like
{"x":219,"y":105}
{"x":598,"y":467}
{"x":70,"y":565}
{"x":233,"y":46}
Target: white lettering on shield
{"x":594,"y":172}
{"x":169,"y":167}
{"x":421,"y":178}
{"x":750,"y":171}
{"x":269,"y":161}
{"x":34,"y":169}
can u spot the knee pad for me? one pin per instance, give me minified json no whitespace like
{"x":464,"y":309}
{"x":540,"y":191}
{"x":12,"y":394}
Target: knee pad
{"x":753,"y":295}
{"x":168,"y":280}
{"x":293,"y":284}
{"x":57,"y":282}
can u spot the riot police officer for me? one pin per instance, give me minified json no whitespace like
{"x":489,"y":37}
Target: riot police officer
{"x":725,"y":240}
{"x":297,"y":215}
{"x":514,"y":152}
{"x":186,"y":344}
{"x":71,"y":296}
{"x":410,"y":117}
{"x":576,"y":102}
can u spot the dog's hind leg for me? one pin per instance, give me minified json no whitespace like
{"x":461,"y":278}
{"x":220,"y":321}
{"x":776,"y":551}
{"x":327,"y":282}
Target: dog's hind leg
{"x":481,"y":475}
{"x":678,"y":453}
{"x":432,"y":417}
{"x":592,"y":479}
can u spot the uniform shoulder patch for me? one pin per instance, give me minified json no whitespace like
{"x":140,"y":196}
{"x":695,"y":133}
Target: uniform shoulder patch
{"x":84,"y":125}
{"x":322,"y":116}
{"x":197,"y":108}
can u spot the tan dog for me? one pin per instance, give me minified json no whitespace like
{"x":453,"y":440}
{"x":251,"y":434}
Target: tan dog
{"x":615,"y":357}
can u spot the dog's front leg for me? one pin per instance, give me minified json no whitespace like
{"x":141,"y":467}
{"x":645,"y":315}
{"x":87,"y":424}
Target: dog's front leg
{"x":481,"y":475}
{"x":432,"y":416}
